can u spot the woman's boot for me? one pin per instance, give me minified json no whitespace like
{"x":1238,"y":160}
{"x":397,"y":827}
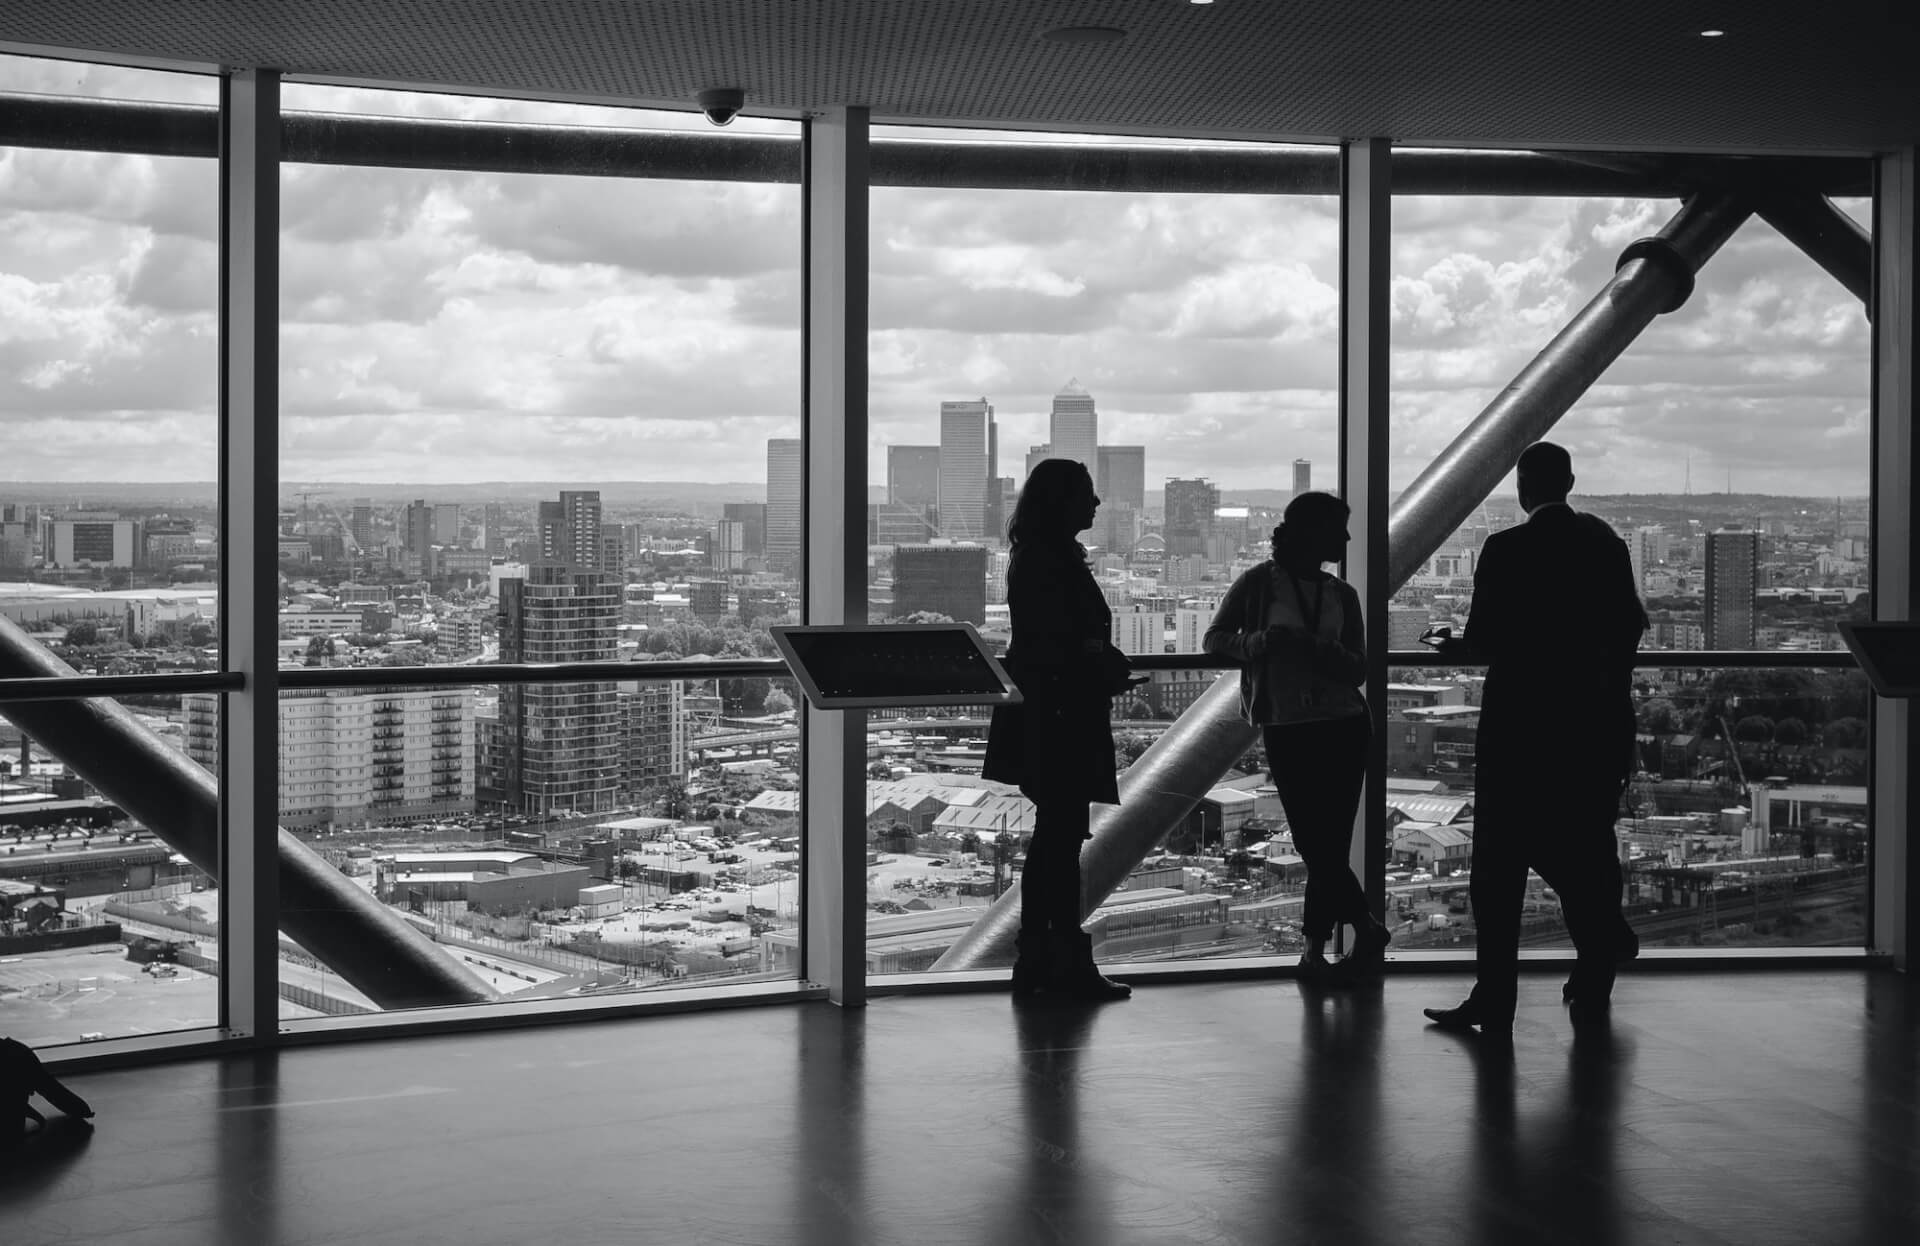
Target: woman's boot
{"x":1074,"y":973}
{"x":1369,"y":956}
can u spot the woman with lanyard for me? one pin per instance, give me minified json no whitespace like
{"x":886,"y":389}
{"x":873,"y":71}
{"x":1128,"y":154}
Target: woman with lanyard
{"x":1301,"y":643}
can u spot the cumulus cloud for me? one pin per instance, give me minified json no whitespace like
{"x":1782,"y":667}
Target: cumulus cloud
{"x":456,"y":327}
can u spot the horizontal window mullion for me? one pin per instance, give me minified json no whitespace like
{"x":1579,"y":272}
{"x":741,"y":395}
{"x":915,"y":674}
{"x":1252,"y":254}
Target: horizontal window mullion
{"x":67,"y":688}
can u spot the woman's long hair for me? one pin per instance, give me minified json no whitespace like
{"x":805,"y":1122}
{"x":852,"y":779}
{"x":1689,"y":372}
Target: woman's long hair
{"x":1040,"y":514}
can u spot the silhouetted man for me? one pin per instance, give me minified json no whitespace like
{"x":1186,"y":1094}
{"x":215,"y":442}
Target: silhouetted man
{"x":1557,"y":617}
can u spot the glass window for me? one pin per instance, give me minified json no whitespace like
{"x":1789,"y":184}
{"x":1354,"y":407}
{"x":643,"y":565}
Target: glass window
{"x":661,"y":847}
{"x":109,"y":359}
{"x":1728,"y":447}
{"x":109,"y":899}
{"x":535,"y":378}
{"x":1184,"y":347}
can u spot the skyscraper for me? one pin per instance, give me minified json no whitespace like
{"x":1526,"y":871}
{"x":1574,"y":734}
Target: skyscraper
{"x":786,"y":465}
{"x":943,"y":579}
{"x":1120,"y":476}
{"x":1190,"y":509}
{"x":559,"y":744}
{"x":1073,"y":430}
{"x":416,"y":536}
{"x":966,"y":434}
{"x":1036,"y":455}
{"x":752,"y":518}
{"x":1733,"y":571}
{"x":913,"y":475}
{"x":361,"y":525}
{"x":446,"y":523}
{"x":1302,"y":476}
{"x":570,"y":530}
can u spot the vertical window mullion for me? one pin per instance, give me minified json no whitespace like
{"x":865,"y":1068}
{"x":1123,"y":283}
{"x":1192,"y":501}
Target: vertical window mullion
{"x":249,"y":470}
{"x":833,"y":947}
{"x":1365,"y":220}
{"x":1893,"y":796}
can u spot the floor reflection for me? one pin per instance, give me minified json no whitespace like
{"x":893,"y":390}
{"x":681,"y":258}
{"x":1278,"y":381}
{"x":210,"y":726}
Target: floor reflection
{"x":1332,"y":1169}
{"x":1062,"y":1197}
{"x":830,"y":1195}
{"x":1551,"y":1176}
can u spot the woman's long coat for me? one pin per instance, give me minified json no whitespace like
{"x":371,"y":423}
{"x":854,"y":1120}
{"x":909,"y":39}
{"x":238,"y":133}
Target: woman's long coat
{"x":1058,"y":744}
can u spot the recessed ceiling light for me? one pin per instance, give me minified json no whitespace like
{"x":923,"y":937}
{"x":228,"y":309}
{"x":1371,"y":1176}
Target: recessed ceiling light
{"x":1199,"y":1}
{"x":1084,"y":34}
{"x":1711,"y":34}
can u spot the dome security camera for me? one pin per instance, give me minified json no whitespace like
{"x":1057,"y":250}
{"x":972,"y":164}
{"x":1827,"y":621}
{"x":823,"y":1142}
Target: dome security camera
{"x":721,"y":104}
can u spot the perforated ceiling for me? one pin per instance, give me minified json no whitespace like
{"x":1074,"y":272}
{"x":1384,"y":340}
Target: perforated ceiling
{"x":1625,"y":73}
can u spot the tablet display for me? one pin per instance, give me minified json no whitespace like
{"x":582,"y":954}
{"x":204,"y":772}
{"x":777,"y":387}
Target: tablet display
{"x":879,"y":666}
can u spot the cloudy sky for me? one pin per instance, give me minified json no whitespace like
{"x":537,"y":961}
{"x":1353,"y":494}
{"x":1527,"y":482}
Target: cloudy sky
{"x":452,"y":327}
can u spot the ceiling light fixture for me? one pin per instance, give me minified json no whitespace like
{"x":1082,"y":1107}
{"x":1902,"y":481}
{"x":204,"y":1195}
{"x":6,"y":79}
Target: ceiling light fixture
{"x":1084,"y":34}
{"x":1199,"y":1}
{"x":1711,"y":34}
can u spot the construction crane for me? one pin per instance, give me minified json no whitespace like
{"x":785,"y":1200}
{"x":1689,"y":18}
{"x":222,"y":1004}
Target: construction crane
{"x":1742,"y":789}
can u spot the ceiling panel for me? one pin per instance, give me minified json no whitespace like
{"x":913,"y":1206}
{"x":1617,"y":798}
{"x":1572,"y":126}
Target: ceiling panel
{"x":1539,"y":73}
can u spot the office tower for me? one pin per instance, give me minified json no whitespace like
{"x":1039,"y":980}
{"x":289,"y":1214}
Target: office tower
{"x":1190,"y":628}
{"x":1231,"y":530}
{"x":786,"y":466}
{"x":416,"y":532}
{"x":361,"y":523}
{"x":1647,"y":547}
{"x":1733,"y":569}
{"x":559,"y":743}
{"x":653,"y":735}
{"x":965,"y":435}
{"x":1002,"y":493}
{"x":446,"y":523}
{"x":352,"y":756}
{"x":85,"y":538}
{"x":1036,"y":455}
{"x":1121,"y":476}
{"x":1190,"y":508}
{"x":708,"y":600}
{"x":1405,"y":624}
{"x":913,"y":475}
{"x":943,"y":579}
{"x":1137,"y":632}
{"x":725,"y":542}
{"x":892,"y":523}
{"x":1302,"y":476}
{"x":571,"y":532}
{"x":1073,"y":429}
{"x":752,"y":518}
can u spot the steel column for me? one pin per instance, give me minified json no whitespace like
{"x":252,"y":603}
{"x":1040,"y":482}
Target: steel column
{"x":1655,"y":275}
{"x":1829,"y":236}
{"x":359,"y":938}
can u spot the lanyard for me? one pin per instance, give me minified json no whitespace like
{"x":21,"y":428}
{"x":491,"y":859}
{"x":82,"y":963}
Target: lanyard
{"x":1310,"y":617}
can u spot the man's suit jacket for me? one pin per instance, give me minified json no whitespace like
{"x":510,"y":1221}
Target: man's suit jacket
{"x":1557,"y":616}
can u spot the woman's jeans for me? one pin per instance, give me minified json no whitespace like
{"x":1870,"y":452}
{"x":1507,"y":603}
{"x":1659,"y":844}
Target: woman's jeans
{"x":1320,"y":769}
{"x":1050,"y":883}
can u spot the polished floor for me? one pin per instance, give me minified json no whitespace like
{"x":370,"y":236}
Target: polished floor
{"x":1716,"y":1108}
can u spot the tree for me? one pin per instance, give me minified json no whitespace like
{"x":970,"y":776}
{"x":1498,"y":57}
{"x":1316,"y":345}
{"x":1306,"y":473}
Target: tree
{"x":673,"y":800}
{"x":1847,"y":732}
{"x":1657,"y":716}
{"x":778,"y":702}
{"x":1753,"y":729}
{"x":321,"y":647}
{"x":83,"y":633}
{"x":1790,"y":732}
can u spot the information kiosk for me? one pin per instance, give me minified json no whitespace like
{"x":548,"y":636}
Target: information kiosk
{"x":890,"y":666}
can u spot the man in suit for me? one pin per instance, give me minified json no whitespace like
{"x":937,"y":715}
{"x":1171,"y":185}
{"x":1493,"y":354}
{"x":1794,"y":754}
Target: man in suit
{"x":1557,"y":618}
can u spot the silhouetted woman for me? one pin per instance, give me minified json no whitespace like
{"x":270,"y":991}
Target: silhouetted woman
{"x":1058,"y":744}
{"x":1298,"y":635}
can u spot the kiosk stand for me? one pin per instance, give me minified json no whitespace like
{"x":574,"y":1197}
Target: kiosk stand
{"x":1889,"y":653}
{"x":844,"y":671}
